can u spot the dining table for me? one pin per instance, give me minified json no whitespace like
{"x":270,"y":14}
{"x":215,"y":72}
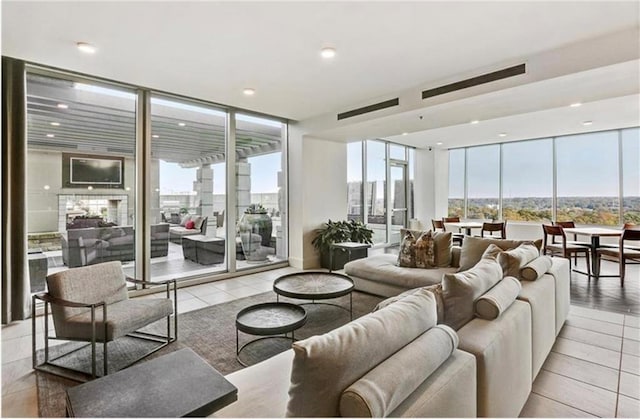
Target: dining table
{"x":466,"y":225}
{"x":594,"y":233}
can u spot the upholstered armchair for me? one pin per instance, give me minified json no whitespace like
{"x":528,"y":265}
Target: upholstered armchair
{"x":91,"y":304}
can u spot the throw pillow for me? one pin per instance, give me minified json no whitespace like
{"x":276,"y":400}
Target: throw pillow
{"x":425,"y":257}
{"x":536,"y":268}
{"x":407,"y":253}
{"x":499,"y":298}
{"x":513,"y":260}
{"x":492,"y":252}
{"x":460,"y":290}
{"x":474,"y":247}
{"x":318,"y":373}
{"x":190,"y":225}
{"x":436,"y":289}
{"x":184,"y":220}
{"x":442,"y":243}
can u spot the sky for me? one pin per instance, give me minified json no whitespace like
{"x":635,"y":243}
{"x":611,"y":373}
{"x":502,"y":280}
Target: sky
{"x":264,"y":179}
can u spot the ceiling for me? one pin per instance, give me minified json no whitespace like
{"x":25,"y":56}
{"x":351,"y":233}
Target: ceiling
{"x":212,"y":50}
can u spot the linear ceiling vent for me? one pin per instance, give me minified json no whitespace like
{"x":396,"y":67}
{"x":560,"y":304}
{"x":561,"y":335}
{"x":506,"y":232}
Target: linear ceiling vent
{"x":475,"y":81}
{"x":370,"y":108}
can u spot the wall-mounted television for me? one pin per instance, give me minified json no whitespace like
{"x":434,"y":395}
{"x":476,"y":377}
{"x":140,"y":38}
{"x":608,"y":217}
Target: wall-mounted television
{"x":90,"y":170}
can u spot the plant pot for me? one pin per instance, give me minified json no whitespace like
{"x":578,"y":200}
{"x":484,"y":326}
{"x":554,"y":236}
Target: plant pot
{"x":260,"y":224}
{"x":341,"y":257}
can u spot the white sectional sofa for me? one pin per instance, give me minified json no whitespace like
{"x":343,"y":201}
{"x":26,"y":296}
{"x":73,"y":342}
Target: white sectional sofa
{"x":499,"y":350}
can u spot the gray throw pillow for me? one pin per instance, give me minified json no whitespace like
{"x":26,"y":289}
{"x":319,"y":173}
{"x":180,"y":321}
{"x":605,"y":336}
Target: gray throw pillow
{"x":513,"y":260}
{"x":474,"y":247}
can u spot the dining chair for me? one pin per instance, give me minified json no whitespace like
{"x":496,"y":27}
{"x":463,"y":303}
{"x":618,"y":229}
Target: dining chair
{"x":622,"y":254}
{"x":571,"y":224}
{"x":491,"y":228}
{"x":457,"y":238}
{"x":562,"y":248}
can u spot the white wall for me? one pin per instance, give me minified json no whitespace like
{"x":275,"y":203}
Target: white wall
{"x":424,"y":188}
{"x":317,"y":192}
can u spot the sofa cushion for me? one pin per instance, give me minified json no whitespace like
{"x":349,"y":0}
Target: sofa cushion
{"x":513,"y":260}
{"x":197,"y":222}
{"x":324,"y":366}
{"x":536,"y":268}
{"x":460,"y":290}
{"x":383,"y":269}
{"x":382,"y":389}
{"x":499,"y":298}
{"x":474,"y":247}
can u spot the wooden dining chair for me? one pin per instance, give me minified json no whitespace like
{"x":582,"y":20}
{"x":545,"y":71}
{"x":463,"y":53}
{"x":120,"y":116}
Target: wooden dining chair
{"x":622,"y":254}
{"x":491,"y":228}
{"x":562,"y":248}
{"x":457,"y":238}
{"x":571,"y":224}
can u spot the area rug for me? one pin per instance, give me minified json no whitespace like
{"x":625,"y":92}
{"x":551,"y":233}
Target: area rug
{"x":211,"y":333}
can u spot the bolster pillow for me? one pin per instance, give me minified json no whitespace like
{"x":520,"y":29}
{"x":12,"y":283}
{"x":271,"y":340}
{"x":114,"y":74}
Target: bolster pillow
{"x":385,"y":387}
{"x":495,"y":301}
{"x":536,"y":268}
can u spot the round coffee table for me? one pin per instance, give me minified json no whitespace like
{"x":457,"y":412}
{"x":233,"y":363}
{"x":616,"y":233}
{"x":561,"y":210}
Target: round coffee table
{"x":267,"y":320}
{"x":315,"y":285}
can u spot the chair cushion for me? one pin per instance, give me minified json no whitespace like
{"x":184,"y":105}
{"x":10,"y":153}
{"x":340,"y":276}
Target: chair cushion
{"x":474,"y":247}
{"x":460,"y":290}
{"x":324,"y":366}
{"x":88,"y":284}
{"x":382,"y":389}
{"x":513,"y":260}
{"x":123,"y":317}
{"x":536,"y":268}
{"x":499,"y":298}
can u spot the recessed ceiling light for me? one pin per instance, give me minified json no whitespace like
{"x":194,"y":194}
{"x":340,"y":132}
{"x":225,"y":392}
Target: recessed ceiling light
{"x":50,"y":136}
{"x":46,"y":187}
{"x":475,"y":121}
{"x":575,"y":105}
{"x":587,"y":123}
{"x":127,"y":188}
{"x":328,"y":52}
{"x":405,"y":133}
{"x":439,"y":143}
{"x":182,"y":124}
{"x":63,"y":106}
{"x":155,"y":136}
{"x":502,"y":134}
{"x":90,"y":188}
{"x":249,"y":91}
{"x":55,"y":124}
{"x":86,"y":48}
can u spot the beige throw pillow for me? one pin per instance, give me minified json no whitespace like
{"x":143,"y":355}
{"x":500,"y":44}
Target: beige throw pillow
{"x":460,"y":290}
{"x":499,"y":298}
{"x":324,"y":366}
{"x":436,"y":289}
{"x":385,"y":387}
{"x":536,"y":268}
{"x":474,"y":247}
{"x":513,"y":260}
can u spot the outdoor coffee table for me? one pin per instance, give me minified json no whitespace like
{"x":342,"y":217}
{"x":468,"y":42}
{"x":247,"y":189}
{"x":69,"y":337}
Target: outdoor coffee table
{"x":269,"y":320}
{"x":173,"y":385}
{"x":315,"y":285}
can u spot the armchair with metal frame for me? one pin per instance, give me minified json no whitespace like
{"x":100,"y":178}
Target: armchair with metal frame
{"x":91,"y":304}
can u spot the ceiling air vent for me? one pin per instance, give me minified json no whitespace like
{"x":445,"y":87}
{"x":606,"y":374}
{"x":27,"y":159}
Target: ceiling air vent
{"x":370,"y":108}
{"x":475,"y":81}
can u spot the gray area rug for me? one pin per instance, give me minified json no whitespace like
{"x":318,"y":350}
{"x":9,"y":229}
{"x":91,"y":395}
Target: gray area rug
{"x":210,"y":332}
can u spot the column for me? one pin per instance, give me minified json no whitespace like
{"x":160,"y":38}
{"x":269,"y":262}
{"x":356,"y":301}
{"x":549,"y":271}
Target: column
{"x":243,"y":185}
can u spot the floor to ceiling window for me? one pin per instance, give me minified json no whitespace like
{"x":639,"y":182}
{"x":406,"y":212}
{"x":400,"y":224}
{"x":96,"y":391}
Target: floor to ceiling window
{"x":87,"y":151}
{"x":589,"y":178}
{"x":375,"y":196}
{"x":188,"y":188}
{"x":261,"y":210}
{"x":80,"y":175}
{"x":354,"y":181}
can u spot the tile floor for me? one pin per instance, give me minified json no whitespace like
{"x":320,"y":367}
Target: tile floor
{"x":593,"y":369}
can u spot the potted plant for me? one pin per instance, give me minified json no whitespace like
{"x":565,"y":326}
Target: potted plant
{"x":338,"y":232}
{"x":258,"y":221}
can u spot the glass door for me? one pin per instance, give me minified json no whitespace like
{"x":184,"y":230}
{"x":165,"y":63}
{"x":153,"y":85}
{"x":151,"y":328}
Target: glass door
{"x":398,"y":200}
